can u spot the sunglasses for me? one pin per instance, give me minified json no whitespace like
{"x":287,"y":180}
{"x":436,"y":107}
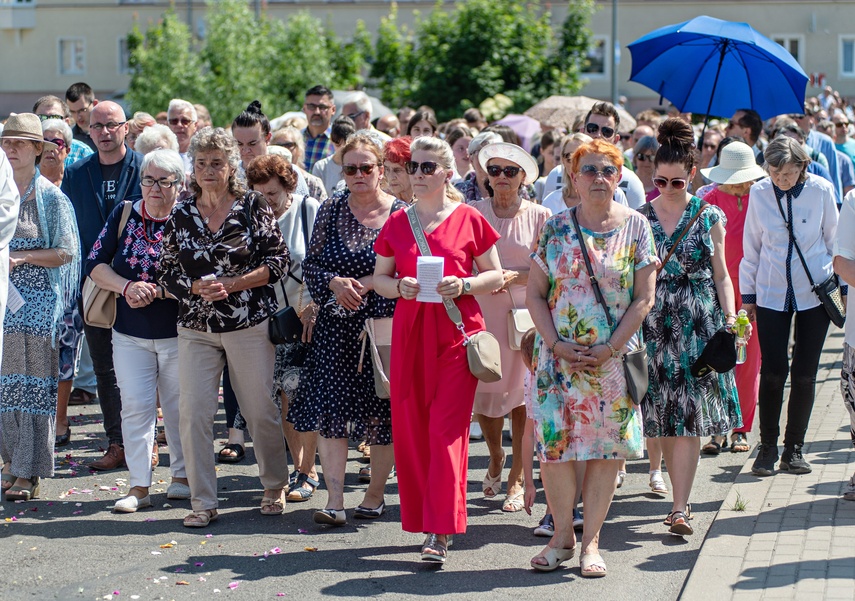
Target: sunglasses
{"x":841,"y":124}
{"x":428,"y":167}
{"x":352,"y":169}
{"x":182,"y":121}
{"x":60,"y":143}
{"x":645,"y":157}
{"x":286,"y":144}
{"x":591,"y":173}
{"x":593,"y":128}
{"x":662,"y":182}
{"x":496,"y":171}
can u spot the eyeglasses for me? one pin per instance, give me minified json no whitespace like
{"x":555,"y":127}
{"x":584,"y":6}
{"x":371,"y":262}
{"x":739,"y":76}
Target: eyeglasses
{"x":364,"y":169}
{"x":567,"y":156}
{"x":841,"y":124}
{"x":496,"y":171}
{"x":428,"y":167}
{"x":591,"y":173}
{"x":182,"y":121}
{"x":60,"y":143}
{"x":286,"y":144}
{"x":110,"y":126}
{"x":678,"y":183}
{"x":593,"y":128}
{"x":312,"y":107}
{"x":355,"y":115}
{"x":48,"y":117}
{"x":645,"y":157}
{"x":163,"y":183}
{"x":85,"y":109}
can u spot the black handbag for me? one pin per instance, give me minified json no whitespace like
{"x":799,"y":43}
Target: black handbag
{"x":828,"y":291}
{"x":719,"y":354}
{"x":635,"y":361}
{"x":285,"y":326}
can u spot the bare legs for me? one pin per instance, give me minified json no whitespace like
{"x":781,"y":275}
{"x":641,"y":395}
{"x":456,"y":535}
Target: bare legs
{"x":333,"y":452}
{"x":492,"y":428}
{"x":681,"y":459}
{"x":64,"y":392}
{"x":303,"y":445}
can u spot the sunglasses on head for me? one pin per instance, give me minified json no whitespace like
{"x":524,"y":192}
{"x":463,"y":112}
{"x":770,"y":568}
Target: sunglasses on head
{"x":496,"y":171}
{"x":590,"y":172}
{"x":593,"y":128}
{"x":428,"y":167}
{"x":678,"y":183}
{"x":352,"y":169}
{"x":60,"y":143}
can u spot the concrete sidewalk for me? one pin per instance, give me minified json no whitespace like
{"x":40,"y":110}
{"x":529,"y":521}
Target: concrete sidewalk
{"x":786,"y":536}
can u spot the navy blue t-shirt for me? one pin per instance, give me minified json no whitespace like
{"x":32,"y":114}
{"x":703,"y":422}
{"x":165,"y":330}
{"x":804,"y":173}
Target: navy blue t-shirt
{"x":135,"y":257}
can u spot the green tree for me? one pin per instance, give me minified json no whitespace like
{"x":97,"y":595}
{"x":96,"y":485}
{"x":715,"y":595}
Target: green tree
{"x":391,"y":70}
{"x":163,"y":65}
{"x":570,"y":55}
{"x":349,"y":59}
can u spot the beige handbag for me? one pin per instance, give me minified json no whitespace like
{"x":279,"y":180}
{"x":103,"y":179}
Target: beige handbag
{"x":99,"y":305}
{"x":377,"y":336}
{"x":482,"y":348}
{"x":519,"y":322}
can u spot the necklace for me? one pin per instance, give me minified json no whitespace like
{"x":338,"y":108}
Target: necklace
{"x":153,"y":221}
{"x":205,"y":219}
{"x":30,"y":188}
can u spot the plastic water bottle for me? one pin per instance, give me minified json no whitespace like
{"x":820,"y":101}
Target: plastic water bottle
{"x":741,"y":326}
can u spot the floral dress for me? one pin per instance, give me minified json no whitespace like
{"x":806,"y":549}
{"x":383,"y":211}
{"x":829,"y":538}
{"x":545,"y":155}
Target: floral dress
{"x":582,"y":415}
{"x":684,"y":317}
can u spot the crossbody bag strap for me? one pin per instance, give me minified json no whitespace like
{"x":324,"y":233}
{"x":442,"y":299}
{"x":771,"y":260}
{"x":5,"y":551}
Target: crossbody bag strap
{"x":682,"y":235}
{"x":790,"y":231}
{"x":591,"y":277}
{"x":424,"y":249}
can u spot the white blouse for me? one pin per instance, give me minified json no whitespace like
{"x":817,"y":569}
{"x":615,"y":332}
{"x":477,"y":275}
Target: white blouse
{"x":291,"y":224}
{"x":770,"y":265}
{"x":845,"y":247}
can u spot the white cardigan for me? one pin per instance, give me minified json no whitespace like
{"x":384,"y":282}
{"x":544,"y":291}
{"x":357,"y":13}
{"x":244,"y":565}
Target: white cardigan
{"x":766,"y":244}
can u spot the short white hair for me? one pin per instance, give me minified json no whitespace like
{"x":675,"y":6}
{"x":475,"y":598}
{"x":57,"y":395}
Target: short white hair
{"x":176,"y":104}
{"x":362,"y":102}
{"x":167,"y":160}
{"x":58,"y":125}
{"x":152,"y":136}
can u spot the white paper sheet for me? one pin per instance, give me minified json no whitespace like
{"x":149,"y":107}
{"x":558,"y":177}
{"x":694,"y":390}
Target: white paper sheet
{"x":429,"y":272}
{"x":15,"y":300}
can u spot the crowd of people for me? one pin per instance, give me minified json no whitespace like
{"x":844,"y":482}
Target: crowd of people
{"x":282,"y":265}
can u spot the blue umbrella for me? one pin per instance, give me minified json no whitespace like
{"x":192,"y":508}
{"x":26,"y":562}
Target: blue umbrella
{"x":716,"y":67}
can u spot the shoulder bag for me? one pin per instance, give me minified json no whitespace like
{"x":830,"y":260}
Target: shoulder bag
{"x":828,"y":291}
{"x":285,"y":326}
{"x":482,"y":348}
{"x":635,"y":361}
{"x":99,"y":304}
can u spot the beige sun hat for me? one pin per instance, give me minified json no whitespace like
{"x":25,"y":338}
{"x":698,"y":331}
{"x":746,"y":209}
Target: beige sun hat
{"x":514,"y":153}
{"x":25,"y":126}
{"x":737,"y":165}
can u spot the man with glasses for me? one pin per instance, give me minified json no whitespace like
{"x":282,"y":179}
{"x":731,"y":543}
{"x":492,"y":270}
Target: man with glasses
{"x":81,"y":99}
{"x":319,"y":108}
{"x":822,"y":143}
{"x":603,"y":122}
{"x":358,"y":109}
{"x":842,"y":141}
{"x":181,"y":118}
{"x":52,"y":107}
{"x":95,"y":186}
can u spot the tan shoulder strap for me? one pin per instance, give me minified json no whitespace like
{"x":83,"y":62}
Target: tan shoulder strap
{"x":685,"y":231}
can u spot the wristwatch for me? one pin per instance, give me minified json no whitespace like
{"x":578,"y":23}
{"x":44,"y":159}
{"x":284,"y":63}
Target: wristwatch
{"x":615,"y":352}
{"x":467,"y":286}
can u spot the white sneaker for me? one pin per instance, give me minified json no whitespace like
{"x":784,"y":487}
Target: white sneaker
{"x":475,"y":431}
{"x":130,"y":504}
{"x":657,"y":482}
{"x":621,"y":476}
{"x":178,"y":490}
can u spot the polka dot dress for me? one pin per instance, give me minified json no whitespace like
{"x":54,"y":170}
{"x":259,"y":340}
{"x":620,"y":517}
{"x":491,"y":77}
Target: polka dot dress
{"x":333,"y":398}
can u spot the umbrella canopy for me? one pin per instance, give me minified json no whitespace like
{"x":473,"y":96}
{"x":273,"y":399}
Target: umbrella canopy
{"x":525,"y":127}
{"x":562,"y":111}
{"x":716,"y":67}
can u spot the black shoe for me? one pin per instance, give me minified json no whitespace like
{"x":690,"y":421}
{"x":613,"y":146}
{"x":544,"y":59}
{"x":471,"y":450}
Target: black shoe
{"x":63,"y":439}
{"x":792,"y":460}
{"x":764,"y":464}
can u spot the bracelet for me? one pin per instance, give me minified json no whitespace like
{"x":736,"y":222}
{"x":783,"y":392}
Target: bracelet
{"x":401,"y":294}
{"x":552,"y":346}
{"x":125,"y":289}
{"x":729,"y":314}
{"x":615,"y":352}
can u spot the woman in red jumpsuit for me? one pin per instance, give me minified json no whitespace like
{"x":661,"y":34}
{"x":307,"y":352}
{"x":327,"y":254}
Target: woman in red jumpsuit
{"x":432,"y":388}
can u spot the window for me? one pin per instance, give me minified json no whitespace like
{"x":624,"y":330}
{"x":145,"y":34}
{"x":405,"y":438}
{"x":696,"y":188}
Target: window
{"x":124,"y":56}
{"x":793,"y":44}
{"x":72,"y":56}
{"x":847,"y":56}
{"x":598,"y":57}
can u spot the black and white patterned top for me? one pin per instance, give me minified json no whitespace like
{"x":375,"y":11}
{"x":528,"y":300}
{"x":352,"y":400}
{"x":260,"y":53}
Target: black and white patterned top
{"x":248,"y":239}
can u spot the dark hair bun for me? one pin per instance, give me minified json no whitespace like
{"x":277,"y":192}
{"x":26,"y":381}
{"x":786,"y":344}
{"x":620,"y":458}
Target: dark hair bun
{"x":254,"y":107}
{"x":676,"y":133}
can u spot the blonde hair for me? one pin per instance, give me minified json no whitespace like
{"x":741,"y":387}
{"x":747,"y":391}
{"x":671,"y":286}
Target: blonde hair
{"x":445,"y":159}
{"x":567,"y":189}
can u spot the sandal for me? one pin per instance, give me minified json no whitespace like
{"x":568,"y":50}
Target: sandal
{"x":492,"y":485}
{"x":8,"y":480}
{"x":554,"y":558}
{"x":688,"y":513}
{"x":365,"y":449}
{"x":299,"y":493}
{"x":201,"y":518}
{"x":432,"y":544}
{"x":23,"y":493}
{"x":739,"y":443}
{"x":680,"y":524}
{"x":225,"y":454}
{"x":273,"y":505}
{"x":590,"y":560}
{"x":713,"y":447}
{"x":514,"y":502}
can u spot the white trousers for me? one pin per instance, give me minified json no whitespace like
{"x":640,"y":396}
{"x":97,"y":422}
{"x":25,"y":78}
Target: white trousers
{"x":145,"y":369}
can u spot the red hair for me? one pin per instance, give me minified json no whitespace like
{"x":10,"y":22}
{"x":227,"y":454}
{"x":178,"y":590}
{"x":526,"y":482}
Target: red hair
{"x":397,"y":150}
{"x":598,"y":146}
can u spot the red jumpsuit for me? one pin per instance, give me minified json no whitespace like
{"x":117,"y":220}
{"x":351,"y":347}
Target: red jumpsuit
{"x":432,"y":388}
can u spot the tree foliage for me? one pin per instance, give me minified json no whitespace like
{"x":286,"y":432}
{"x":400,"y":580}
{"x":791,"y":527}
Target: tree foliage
{"x":393,"y":55}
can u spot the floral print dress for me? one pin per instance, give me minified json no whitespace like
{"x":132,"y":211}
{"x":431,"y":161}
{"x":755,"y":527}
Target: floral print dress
{"x":582,"y":415}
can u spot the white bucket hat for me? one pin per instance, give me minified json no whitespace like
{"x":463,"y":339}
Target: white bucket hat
{"x":737,"y":165}
{"x":510,"y":152}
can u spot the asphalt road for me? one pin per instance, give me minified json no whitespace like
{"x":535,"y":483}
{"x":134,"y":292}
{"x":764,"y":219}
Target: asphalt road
{"x":68,"y":545}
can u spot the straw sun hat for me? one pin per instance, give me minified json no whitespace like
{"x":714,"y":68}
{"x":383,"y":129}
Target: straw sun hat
{"x":25,"y":126}
{"x":737,"y":165}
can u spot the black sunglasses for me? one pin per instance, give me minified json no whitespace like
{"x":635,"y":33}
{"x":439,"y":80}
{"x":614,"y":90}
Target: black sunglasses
{"x":496,"y":171}
{"x":593,"y":128}
{"x":428,"y":167}
{"x":352,"y":169}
